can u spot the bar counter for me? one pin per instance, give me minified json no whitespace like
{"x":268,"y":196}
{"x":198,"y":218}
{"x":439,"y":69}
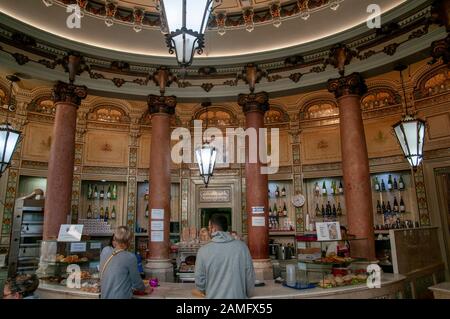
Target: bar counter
{"x":392,"y":286}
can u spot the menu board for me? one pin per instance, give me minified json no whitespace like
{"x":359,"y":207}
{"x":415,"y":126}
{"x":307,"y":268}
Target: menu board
{"x":69,"y":233}
{"x":328,"y":231}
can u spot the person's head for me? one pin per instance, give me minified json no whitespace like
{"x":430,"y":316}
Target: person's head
{"x":122,"y":237}
{"x":20,"y":286}
{"x":218,"y":222}
{"x":343,"y":231}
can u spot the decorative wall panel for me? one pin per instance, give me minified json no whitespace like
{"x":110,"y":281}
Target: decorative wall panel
{"x":38,"y":142}
{"x":105,"y":148}
{"x":321,"y":146}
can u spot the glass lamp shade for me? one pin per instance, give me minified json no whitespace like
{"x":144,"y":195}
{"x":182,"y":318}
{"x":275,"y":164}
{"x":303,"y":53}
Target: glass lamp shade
{"x":9,"y":138}
{"x":186,"y":21}
{"x":206,"y":159}
{"x":410,"y":133}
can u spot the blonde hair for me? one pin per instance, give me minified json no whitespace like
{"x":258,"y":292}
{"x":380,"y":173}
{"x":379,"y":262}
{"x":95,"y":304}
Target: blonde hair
{"x":122,"y":235}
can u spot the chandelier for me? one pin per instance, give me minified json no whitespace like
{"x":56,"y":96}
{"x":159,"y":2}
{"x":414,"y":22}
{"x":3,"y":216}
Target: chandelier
{"x":185,"y":22}
{"x":206,"y":157}
{"x":410,"y":131}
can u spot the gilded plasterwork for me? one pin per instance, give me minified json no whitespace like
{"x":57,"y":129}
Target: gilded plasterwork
{"x":108,"y":114}
{"x":105,"y":148}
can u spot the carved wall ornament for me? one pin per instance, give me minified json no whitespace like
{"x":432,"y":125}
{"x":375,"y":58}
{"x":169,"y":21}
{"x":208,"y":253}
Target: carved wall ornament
{"x":380,"y":138}
{"x":69,"y":93}
{"x":379,"y":98}
{"x":207,"y":86}
{"x":275,"y":115}
{"x":432,"y":83}
{"x":254,"y":102}
{"x":43,"y":105}
{"x":352,"y":84}
{"x":106,"y":147}
{"x":21,"y":59}
{"x":46,"y":143}
{"x":108,"y":114}
{"x":295,"y":77}
{"x":319,"y":109}
{"x":162,"y":104}
{"x":340,"y":56}
{"x":322,"y":145}
{"x":216,"y":116}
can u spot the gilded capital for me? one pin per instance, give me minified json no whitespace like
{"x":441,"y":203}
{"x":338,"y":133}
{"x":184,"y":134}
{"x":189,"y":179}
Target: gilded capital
{"x":254,"y":102}
{"x":161,"y":104}
{"x":69,"y":93}
{"x":352,"y":84}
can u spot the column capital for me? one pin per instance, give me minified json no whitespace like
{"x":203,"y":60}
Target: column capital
{"x":352,"y":84}
{"x":161,"y":104}
{"x":69,"y":93}
{"x":254,"y":102}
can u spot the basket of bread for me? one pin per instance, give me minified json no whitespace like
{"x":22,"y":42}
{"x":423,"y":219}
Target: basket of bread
{"x":331,"y":281}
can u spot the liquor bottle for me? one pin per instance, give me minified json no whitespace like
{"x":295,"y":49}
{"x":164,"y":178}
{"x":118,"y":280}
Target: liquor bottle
{"x":95,"y":192}
{"x":102,"y":193}
{"x":102,"y":213}
{"x":275,"y":209}
{"x":285,"y":213}
{"x":316,"y":189}
{"x":341,"y":188}
{"x":108,"y":193}
{"x":318,"y":213}
{"x":106,"y":213}
{"x":89,"y":196}
{"x":96,"y":215}
{"x":270,"y":211}
{"x":328,"y":209}
{"x":383,"y":208}
{"x":113,"y":212}
{"x":401,"y":184}
{"x":324,"y":189}
{"x":323,"y":211}
{"x":402,"y":205}
{"x":377,"y":184}
{"x":268,"y":194}
{"x":283,"y":191}
{"x":388,"y":207}
{"x":277,"y":192}
{"x":334,"y":211}
{"x":390,"y":185}
{"x":396,"y":210}
{"x":114,"y":192}
{"x":395,"y":183}
{"x":379,"y":207}
{"x":383,"y":186}
{"x":89,"y":213}
{"x":146,"y":211}
{"x":339,"y":210}
{"x":333,"y":188}
{"x":146,"y":194}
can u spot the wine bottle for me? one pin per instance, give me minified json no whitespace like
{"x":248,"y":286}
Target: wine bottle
{"x":388,"y":207}
{"x":339,"y":210}
{"x":113,"y":212}
{"x":277,"y":192}
{"x":96,"y":215}
{"x":114,"y":192}
{"x":383,"y":208}
{"x":106,"y":213}
{"x":146,"y":211}
{"x":402,"y":205}
{"x":285,"y":213}
{"x":396,"y":210}
{"x":108,"y":193}
{"x":333,"y":188}
{"x":323,"y":211}
{"x":102,"y":193}
{"x":89,"y":213}
{"x":395,"y":183}
{"x":379,"y":207}
{"x":317,"y":189}
{"x":95,"y":192}
{"x":89,"y":196}
{"x":270,"y":211}
{"x":390,"y":185}
{"x":324,"y":188}
{"x":341,"y":188}
{"x":318,"y":213}
{"x":383,"y":186}
{"x":377,"y":184}
{"x":401,"y":184}
{"x":283,"y":191}
{"x":102,"y":213}
{"x":334,"y":211}
{"x":275,"y":209}
{"x":328,"y":209}
{"x":268,"y":194}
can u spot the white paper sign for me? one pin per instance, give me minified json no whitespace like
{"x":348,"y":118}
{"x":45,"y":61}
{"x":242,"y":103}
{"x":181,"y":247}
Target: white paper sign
{"x":78,"y":247}
{"x":258,"y":210}
{"x":328,"y":231}
{"x":96,"y":245}
{"x":157,"y":236}
{"x":70,"y":233}
{"x":258,"y":221}
{"x":157,"y":225}
{"x":157,"y":213}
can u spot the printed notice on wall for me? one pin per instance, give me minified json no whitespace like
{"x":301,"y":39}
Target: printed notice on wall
{"x":157,"y":213}
{"x":157,"y":236}
{"x":157,"y":225}
{"x":70,"y":233}
{"x":96,"y":245}
{"x":258,"y":221}
{"x":328,"y":231}
{"x":258,"y":210}
{"x":78,"y":247}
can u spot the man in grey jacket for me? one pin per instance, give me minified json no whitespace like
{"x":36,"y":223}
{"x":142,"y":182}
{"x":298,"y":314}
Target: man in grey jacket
{"x":224,"y":267}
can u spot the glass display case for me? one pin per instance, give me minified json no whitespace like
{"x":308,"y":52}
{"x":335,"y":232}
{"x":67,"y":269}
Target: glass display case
{"x":73,"y":265}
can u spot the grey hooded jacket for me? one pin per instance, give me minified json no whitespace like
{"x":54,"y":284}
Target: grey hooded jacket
{"x":224,"y":268}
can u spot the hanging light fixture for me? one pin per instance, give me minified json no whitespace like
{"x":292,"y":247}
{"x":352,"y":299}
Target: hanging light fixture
{"x":206,"y":156}
{"x":410,"y":131}
{"x":9,"y":138}
{"x":186,"y":22}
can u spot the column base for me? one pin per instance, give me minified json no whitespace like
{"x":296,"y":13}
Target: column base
{"x":263,"y":269}
{"x":159,"y":268}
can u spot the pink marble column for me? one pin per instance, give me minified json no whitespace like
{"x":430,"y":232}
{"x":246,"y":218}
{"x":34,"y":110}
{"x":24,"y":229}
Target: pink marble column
{"x":161,"y":109}
{"x":355,"y":163}
{"x":67,"y":98}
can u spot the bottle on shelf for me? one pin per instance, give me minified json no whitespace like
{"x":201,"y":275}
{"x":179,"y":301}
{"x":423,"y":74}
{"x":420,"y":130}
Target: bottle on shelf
{"x":95,"y":192}
{"x":89,"y":213}
{"x":324,"y":189}
{"x":108,"y":193}
{"x":390,"y":185}
{"x":377,"y":184}
{"x":383,"y":186}
{"x":277,"y":192}
{"x":323,"y":211}
{"x":383,"y":208}
{"x":285,"y":213}
{"x":96,"y":214}
{"x":268,"y":194}
{"x":395,"y":183}
{"x":102,"y":193}
{"x":395,"y":205}
{"x":146,"y":211}
{"x":113,"y":212}
{"x":328,"y":209}
{"x":334,"y":211}
{"x":401,"y":183}
{"x":402,"y":206}
{"x":388,"y":207}
{"x":114,"y":192}
{"x":90,"y":191}
{"x":333,"y":188}
{"x":379,"y":207}
{"x":275,"y":209}
{"x":316,"y":189}
{"x":339,"y":209}
{"x":147,"y":195}
{"x":102,"y":213}
{"x":106,"y":213}
{"x":270,"y":211}
{"x":318,"y":212}
{"x":341,"y":188}
{"x":283,"y":191}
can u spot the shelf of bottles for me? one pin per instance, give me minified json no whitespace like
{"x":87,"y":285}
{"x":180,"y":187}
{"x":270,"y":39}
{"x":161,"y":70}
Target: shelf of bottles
{"x":281,"y":211}
{"x":393,"y":201}
{"x":102,"y":200}
{"x":325,"y":200}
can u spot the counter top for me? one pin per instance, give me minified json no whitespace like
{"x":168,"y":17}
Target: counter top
{"x":391,"y":284}
{"x":443,"y":287}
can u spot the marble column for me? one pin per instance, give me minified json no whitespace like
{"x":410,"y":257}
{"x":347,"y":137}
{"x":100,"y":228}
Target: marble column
{"x":159,"y":264}
{"x":254,"y":106}
{"x":355,"y":163}
{"x":67,"y":98}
